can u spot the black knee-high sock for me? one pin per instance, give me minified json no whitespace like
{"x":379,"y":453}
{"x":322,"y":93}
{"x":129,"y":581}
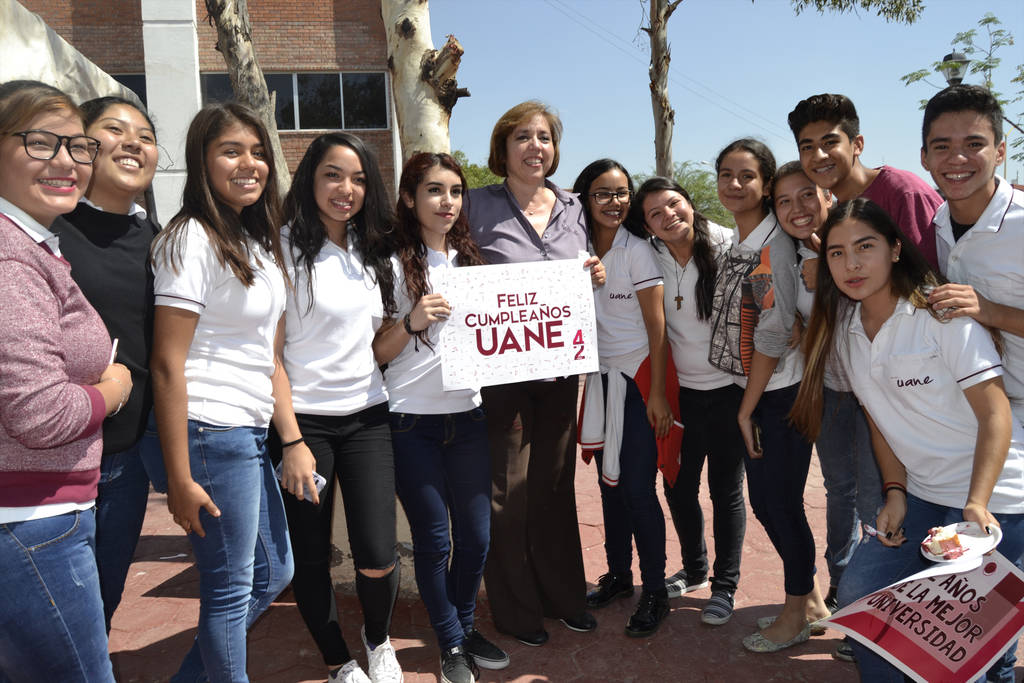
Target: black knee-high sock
{"x":377,"y":596}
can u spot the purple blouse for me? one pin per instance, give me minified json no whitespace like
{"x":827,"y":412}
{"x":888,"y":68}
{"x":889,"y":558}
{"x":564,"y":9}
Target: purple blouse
{"x":505,"y":235}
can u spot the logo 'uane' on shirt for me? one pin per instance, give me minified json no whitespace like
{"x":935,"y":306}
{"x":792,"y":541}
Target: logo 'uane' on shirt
{"x":614,"y":296}
{"x":913,"y":381}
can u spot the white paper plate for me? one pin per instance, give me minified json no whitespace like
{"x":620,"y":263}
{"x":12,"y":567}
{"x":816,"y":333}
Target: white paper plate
{"x":973,"y":538}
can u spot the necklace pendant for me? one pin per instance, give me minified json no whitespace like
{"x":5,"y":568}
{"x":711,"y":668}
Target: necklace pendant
{"x":679,"y":302}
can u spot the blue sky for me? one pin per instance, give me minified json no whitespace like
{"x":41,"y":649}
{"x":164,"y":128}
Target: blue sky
{"x":737,"y":69}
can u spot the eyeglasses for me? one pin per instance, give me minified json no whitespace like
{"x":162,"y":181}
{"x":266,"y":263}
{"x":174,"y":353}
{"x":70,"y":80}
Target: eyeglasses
{"x":603,"y":197}
{"x":44,"y":145}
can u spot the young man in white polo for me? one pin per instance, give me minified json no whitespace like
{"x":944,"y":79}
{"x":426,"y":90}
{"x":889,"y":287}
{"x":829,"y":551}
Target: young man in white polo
{"x":980,"y":229}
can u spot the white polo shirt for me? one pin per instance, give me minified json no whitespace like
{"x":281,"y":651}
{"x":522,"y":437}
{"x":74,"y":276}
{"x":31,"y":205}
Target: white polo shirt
{"x":231,"y":357}
{"x":631,"y":265}
{"x":990,"y":258}
{"x":911,"y":380}
{"x":688,"y":335}
{"x":328,"y":350}
{"x":413,"y":379}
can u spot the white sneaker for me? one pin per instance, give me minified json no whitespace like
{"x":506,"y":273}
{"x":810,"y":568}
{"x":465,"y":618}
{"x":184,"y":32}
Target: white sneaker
{"x":350,"y":672}
{"x":383,"y":664}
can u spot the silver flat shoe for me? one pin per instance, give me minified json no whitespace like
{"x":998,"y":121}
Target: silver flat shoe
{"x":756,"y":642}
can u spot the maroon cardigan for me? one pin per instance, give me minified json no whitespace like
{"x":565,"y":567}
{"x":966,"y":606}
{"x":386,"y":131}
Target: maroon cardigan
{"x":53,"y":345}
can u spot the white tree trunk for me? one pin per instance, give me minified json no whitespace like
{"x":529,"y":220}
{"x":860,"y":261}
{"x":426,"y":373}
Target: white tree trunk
{"x":234,"y":42}
{"x":664,"y":115}
{"x":422,"y":78}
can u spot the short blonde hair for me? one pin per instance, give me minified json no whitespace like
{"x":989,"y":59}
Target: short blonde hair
{"x":23,"y":101}
{"x":497,"y":161}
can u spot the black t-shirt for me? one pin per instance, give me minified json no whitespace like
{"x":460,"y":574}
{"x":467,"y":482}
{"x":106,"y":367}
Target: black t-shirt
{"x":959,"y":229}
{"x":109,"y":257}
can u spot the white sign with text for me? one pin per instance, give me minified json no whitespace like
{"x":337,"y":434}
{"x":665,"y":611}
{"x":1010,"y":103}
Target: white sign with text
{"x":517,"y":322}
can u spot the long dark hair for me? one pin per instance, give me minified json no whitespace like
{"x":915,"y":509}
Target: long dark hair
{"x":703,"y":251}
{"x":371,"y":226}
{"x":908,"y":275}
{"x":411,"y":250}
{"x":227,"y":230}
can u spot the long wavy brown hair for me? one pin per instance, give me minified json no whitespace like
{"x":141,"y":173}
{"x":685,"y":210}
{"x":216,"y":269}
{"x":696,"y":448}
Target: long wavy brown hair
{"x":411,"y":251}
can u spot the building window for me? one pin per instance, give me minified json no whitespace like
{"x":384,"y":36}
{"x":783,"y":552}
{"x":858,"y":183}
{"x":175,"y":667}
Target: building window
{"x":366,"y":100}
{"x":216,"y":88}
{"x":317,"y":101}
{"x":281,"y":84}
{"x":134,"y":82}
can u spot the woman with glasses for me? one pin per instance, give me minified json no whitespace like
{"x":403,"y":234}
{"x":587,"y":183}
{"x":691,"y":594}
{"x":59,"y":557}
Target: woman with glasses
{"x":107,"y":239}
{"x":535,"y":567}
{"x":58,"y":386}
{"x":625,"y":406}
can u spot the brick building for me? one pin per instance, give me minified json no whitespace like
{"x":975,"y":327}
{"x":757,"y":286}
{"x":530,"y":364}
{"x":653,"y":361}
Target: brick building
{"x":325,"y":59}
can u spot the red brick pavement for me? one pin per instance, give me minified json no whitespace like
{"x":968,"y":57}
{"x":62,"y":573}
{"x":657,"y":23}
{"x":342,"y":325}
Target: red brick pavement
{"x":155,"y":624}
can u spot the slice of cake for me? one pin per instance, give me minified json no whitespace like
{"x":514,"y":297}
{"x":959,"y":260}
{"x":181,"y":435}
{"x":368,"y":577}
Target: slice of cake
{"x":943,"y":542}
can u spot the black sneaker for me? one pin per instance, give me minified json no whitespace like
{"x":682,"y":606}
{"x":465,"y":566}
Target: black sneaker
{"x":832,"y":599}
{"x":486,"y":654}
{"x":650,"y":610}
{"x":843,"y":653}
{"x":457,"y":666}
{"x":584,"y":622}
{"x":609,"y":587}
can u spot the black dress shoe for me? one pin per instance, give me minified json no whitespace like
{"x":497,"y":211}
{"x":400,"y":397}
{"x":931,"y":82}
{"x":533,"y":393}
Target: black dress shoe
{"x":609,"y":587}
{"x":582,"y":622}
{"x":651,"y":609}
{"x":534,"y":639}
{"x":832,"y":599}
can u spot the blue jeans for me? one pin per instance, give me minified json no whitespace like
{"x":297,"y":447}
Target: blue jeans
{"x":442,"y":469}
{"x":51,"y":612}
{"x":631,"y":509}
{"x":875,"y":566}
{"x":775,"y":485}
{"x":245,"y":559}
{"x":120,"y":510}
{"x":853,"y":486}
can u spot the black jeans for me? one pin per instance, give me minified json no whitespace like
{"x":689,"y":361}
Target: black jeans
{"x":710,"y":432}
{"x":356,"y":450}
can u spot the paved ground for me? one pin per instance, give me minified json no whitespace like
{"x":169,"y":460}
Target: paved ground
{"x":155,"y":624}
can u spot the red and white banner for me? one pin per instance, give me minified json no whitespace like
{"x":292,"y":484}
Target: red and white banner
{"x":937,"y":626}
{"x":517,"y":322}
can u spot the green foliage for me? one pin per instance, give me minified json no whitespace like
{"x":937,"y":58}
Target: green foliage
{"x":902,"y":11}
{"x":476,"y":175}
{"x":699,"y":181}
{"x":983,"y":61}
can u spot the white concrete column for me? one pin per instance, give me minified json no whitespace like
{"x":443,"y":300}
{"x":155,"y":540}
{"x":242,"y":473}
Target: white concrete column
{"x":172,"y":91}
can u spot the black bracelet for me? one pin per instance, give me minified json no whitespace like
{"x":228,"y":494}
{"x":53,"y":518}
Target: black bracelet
{"x":292,"y":443}
{"x":407,"y":323}
{"x":894,"y":487}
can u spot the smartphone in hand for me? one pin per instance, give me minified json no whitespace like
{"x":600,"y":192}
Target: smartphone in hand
{"x":318,"y":481}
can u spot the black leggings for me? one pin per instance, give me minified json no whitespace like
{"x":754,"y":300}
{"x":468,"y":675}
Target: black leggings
{"x":355,"y":449}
